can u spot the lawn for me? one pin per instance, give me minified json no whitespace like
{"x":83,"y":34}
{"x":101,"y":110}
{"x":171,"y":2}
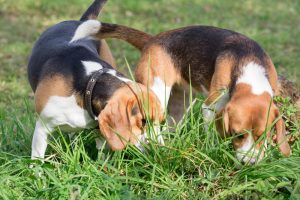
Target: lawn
{"x":193,"y":164}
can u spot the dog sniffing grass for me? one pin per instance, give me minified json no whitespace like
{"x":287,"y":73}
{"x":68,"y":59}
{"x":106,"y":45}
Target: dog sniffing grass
{"x":193,"y":164}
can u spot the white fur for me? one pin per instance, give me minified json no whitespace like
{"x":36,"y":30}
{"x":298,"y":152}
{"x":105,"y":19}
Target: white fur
{"x":142,"y":140}
{"x":160,"y":139}
{"x":208,"y":115}
{"x":59,"y":111}
{"x":162,"y":91}
{"x":154,"y":135}
{"x":65,"y":112}
{"x":255,"y":76}
{"x":114,"y":73}
{"x":86,"y":29}
{"x":91,"y":66}
{"x":248,"y":153}
{"x":39,"y":140}
{"x":221,"y":102}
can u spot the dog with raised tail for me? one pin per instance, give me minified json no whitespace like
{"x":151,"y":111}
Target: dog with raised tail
{"x":237,"y":75}
{"x":74,"y":89}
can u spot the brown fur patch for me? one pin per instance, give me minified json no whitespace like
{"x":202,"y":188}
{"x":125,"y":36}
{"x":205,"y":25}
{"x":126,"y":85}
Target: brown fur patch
{"x":144,"y":98}
{"x":51,"y":86}
{"x":120,"y":115}
{"x":135,"y":37}
{"x":222,"y":77}
{"x":255,"y":113}
{"x":272,"y":75}
{"x":156,"y":62}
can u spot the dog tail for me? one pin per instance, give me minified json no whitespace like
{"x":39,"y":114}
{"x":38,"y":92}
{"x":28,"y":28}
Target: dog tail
{"x":93,"y":11}
{"x":134,"y":37}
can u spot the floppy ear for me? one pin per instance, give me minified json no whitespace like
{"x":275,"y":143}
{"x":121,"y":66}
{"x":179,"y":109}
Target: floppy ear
{"x":222,"y":123}
{"x":113,"y":126}
{"x":281,"y":140}
{"x":156,"y":113}
{"x":226,"y":120}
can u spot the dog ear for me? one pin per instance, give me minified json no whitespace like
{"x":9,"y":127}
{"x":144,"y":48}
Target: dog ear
{"x":222,"y":123}
{"x":156,"y":112}
{"x":281,"y":140}
{"x":114,"y":125}
{"x":149,"y":105}
{"x":115,"y":122}
{"x":226,"y":120}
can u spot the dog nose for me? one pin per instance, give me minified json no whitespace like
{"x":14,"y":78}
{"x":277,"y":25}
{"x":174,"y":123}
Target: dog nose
{"x":249,"y":161}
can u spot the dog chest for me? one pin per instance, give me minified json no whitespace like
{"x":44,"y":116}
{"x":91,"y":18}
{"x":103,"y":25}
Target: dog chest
{"x":66,"y":113}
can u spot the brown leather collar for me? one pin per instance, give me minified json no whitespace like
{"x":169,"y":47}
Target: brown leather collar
{"x":89,"y":91}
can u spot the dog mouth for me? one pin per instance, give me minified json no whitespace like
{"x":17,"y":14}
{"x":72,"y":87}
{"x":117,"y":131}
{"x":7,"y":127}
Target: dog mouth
{"x":250,"y":157}
{"x":142,"y":141}
{"x":145,"y":138}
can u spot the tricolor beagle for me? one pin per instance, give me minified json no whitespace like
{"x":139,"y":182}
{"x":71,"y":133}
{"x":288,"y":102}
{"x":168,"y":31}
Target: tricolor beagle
{"x":74,"y":89}
{"x":233,"y":70}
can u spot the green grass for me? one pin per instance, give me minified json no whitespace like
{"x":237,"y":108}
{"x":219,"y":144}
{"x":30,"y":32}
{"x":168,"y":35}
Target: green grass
{"x":193,"y":164}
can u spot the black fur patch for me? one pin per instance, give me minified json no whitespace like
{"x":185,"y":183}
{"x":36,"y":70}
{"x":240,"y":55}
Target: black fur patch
{"x":54,"y":55}
{"x":195,"y":49}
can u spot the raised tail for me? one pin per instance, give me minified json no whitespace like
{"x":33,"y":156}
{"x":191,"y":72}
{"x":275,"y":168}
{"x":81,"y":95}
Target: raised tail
{"x":134,"y":37}
{"x":93,"y":11}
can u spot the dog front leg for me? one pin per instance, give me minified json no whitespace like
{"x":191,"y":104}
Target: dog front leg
{"x":39,"y":141}
{"x":218,"y":95}
{"x":162,"y":91}
{"x":214,"y":104}
{"x":156,"y":70}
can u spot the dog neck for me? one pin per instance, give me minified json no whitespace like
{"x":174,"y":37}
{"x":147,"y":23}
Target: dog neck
{"x":104,"y":89}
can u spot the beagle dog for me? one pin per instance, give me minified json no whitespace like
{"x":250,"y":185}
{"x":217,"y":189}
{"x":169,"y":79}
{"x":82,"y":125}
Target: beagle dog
{"x":234,"y":72}
{"x":74,"y":89}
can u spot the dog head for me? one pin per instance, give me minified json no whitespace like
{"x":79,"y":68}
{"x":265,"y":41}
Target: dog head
{"x":248,"y":118}
{"x":124,"y":117}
